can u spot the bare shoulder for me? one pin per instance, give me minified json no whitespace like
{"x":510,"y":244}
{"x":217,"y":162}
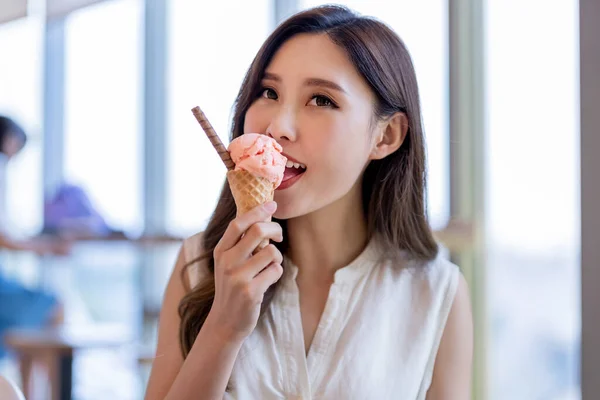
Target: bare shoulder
{"x":168,"y":358}
{"x":453,"y":364}
{"x":192,"y":246}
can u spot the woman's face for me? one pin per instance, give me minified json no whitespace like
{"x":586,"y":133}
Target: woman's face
{"x":318,"y":107}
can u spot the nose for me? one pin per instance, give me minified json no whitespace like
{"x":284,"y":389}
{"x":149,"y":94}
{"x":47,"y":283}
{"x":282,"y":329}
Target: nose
{"x":283,"y":126}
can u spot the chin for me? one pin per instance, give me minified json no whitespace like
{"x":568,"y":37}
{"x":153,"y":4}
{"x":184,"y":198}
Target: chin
{"x":289,"y":207}
{"x":286,"y":211}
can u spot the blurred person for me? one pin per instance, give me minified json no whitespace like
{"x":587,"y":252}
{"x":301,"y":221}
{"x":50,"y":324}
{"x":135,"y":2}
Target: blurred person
{"x":22,"y":307}
{"x":353,"y":300}
{"x":70,"y":213}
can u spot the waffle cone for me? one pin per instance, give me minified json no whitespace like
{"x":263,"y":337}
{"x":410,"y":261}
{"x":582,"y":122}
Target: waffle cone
{"x":248,"y":192}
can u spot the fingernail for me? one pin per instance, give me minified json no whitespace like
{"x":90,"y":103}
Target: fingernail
{"x":270,"y":207}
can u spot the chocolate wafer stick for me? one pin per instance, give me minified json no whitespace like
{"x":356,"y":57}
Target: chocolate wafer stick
{"x":213,"y":137}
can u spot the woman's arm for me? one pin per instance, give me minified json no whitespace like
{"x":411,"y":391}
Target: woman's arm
{"x":207,"y":369}
{"x":452,"y":371}
{"x":241,"y":280}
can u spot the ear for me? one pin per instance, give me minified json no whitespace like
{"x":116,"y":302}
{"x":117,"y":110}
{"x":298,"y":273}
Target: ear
{"x":389,"y":136}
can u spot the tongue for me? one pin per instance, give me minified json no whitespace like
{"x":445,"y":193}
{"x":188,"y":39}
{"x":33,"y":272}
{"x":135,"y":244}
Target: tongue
{"x":291,"y":172}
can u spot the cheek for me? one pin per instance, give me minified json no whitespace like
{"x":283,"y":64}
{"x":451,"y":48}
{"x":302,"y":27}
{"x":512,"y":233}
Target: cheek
{"x":345,"y":138}
{"x":341,"y":152}
{"x":256,"y":119}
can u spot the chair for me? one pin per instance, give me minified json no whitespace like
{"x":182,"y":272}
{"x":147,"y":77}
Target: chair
{"x":9,"y":391}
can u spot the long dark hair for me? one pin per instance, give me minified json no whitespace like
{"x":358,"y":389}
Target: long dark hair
{"x":393,"y":188}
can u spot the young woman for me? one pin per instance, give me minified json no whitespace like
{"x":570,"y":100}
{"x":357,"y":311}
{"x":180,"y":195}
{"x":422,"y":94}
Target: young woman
{"x":352,"y":300}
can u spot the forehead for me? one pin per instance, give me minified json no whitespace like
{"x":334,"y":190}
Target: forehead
{"x":315,"y":55}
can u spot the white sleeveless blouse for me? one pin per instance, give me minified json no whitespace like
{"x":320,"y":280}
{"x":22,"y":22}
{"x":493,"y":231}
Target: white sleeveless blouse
{"x":377,"y":338}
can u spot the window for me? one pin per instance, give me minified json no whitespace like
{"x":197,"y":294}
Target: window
{"x":103,"y":109}
{"x":533,"y":203}
{"x":21,"y":49}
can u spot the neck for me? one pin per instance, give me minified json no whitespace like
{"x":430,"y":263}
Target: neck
{"x":328,"y":239}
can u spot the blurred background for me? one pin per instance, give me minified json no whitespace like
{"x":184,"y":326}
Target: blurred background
{"x":104,"y":91}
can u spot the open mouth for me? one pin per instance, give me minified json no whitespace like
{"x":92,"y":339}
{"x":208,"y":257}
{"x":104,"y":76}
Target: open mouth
{"x":293,"y":169}
{"x":292,"y":173}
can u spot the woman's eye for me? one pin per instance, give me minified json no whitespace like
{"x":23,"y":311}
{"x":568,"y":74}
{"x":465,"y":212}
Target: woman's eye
{"x":321,"y":101}
{"x":269,"y":94}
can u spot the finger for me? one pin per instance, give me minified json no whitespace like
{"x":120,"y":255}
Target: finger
{"x":260,"y":260}
{"x":267,"y":277}
{"x":255,"y":235}
{"x":239,"y":225}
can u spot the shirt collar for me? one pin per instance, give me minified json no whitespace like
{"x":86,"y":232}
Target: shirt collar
{"x":370,"y":256}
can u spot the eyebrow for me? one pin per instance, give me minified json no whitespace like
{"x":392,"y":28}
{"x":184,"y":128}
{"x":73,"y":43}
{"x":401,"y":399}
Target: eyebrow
{"x":309,"y":82}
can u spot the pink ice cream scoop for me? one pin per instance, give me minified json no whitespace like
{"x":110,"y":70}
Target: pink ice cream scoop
{"x":259,"y":155}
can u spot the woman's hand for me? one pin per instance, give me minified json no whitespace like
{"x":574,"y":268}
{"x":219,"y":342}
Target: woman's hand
{"x":241,"y":278}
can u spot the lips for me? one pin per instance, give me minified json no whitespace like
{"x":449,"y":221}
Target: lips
{"x":294,"y":169}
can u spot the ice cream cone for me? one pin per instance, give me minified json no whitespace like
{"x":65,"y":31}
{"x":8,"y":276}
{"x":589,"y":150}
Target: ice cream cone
{"x":250,"y":191}
{"x":255,"y":167}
